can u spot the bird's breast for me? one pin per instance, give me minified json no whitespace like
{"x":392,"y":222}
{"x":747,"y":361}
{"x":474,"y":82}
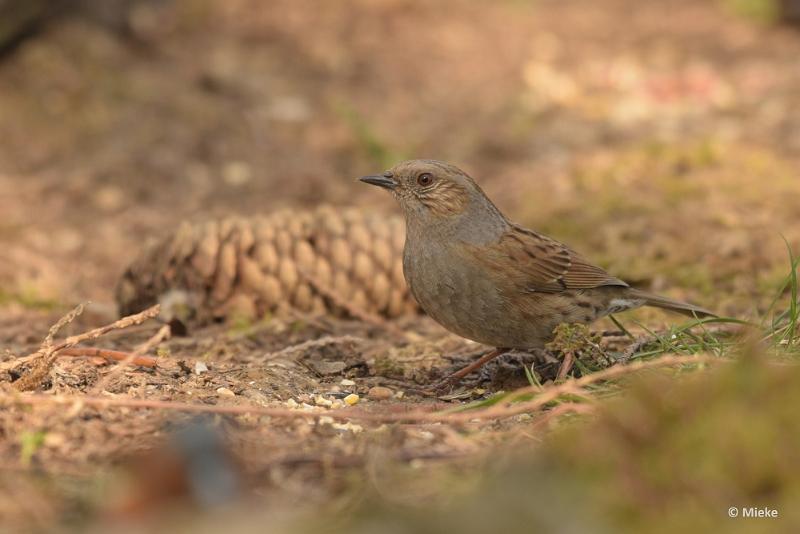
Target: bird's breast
{"x":455,"y":293}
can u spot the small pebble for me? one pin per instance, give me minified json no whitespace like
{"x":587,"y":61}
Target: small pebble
{"x":380,"y":393}
{"x":347,"y":382}
{"x":319,"y":400}
{"x":348,"y":427}
{"x":351,"y":399}
{"x":200,"y":368}
{"x":225,"y":392}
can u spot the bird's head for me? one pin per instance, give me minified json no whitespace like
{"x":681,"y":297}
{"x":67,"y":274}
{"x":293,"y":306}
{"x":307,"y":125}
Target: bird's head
{"x":436,"y":196}
{"x":428,"y":187}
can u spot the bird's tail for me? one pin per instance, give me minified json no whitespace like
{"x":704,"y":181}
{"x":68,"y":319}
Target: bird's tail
{"x":671,"y":305}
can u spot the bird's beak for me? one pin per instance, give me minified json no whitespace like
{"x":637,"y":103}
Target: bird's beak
{"x":380,"y":181}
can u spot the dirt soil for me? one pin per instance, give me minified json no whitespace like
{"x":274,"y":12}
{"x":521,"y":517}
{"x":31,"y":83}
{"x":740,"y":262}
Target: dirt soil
{"x":658,"y":138}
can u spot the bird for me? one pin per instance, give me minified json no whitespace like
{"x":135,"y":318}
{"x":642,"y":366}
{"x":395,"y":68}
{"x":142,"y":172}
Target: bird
{"x":490,"y":280}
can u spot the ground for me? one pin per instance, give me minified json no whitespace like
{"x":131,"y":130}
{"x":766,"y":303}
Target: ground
{"x":658,"y":138}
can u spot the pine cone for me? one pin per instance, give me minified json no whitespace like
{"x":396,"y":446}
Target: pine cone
{"x":320,"y":261}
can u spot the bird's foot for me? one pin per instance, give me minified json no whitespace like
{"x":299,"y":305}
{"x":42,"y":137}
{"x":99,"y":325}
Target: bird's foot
{"x":448,"y":382}
{"x":509,"y":373}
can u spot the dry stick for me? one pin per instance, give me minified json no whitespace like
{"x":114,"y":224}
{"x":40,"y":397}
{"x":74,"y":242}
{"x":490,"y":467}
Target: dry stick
{"x":576,"y":385}
{"x":89,"y":352}
{"x":44,"y":357}
{"x":47,"y":343}
{"x":163,"y":334}
{"x":48,"y":353}
{"x":116,"y":355}
{"x":286,"y":413}
{"x":134,"y":358}
{"x":550,"y":394}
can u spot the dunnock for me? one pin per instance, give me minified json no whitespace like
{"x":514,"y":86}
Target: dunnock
{"x":492,"y":281}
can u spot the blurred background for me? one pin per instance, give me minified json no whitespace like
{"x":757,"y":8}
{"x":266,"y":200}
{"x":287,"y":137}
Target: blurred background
{"x":659,"y":137}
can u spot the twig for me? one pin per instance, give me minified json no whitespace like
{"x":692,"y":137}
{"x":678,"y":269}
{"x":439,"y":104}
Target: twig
{"x":47,"y":344}
{"x":44,"y":357}
{"x":163,"y":334}
{"x":544,"y":397}
{"x":116,"y":355}
{"x":47,"y":354}
{"x":135,"y":358}
{"x":576,"y":386}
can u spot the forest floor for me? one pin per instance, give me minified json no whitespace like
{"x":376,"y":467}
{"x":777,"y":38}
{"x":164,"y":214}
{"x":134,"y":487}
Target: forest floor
{"x":657,"y":138}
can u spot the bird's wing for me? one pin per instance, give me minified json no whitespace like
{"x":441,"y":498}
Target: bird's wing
{"x":536,"y":263}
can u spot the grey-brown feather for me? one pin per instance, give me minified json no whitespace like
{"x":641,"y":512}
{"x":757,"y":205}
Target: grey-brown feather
{"x":492,"y":281}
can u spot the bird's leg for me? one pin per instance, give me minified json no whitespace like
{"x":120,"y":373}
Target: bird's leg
{"x":480,"y":362}
{"x":566,"y":365}
{"x":461,"y":373}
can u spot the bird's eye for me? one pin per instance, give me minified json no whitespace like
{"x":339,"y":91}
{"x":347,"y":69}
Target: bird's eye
{"x":425,"y":178}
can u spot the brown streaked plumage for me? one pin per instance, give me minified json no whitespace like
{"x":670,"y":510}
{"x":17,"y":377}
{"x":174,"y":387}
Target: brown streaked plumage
{"x":488,"y":279}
